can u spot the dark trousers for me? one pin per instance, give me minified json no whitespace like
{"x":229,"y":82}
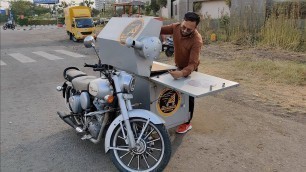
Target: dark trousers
{"x":191,"y":108}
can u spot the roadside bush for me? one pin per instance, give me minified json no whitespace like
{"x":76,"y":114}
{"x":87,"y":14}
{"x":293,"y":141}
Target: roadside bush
{"x":3,"y":18}
{"x":27,"y":21}
{"x":283,"y":29}
{"x":61,"y":20}
{"x":284,"y":26}
{"x":41,"y":22}
{"x":23,"y":22}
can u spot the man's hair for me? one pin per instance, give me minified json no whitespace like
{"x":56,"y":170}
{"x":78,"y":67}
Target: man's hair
{"x":193,"y":17}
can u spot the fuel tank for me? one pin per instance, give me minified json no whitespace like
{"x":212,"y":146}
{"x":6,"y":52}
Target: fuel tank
{"x":100,"y":88}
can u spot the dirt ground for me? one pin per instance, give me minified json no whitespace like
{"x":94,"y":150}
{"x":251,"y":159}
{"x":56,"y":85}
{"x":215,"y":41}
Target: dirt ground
{"x":279,"y":99}
{"x":258,"y":126}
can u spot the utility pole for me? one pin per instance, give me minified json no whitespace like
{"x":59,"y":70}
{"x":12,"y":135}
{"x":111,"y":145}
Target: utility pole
{"x":104,"y":7}
{"x":187,"y":5}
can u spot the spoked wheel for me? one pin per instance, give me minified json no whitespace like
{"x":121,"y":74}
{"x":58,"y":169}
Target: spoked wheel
{"x":152,"y":153}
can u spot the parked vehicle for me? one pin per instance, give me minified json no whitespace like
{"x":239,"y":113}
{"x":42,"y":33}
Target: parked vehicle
{"x":168,"y":47}
{"x":136,"y":138}
{"x":79,"y":23}
{"x":101,"y":21}
{"x":8,"y":25}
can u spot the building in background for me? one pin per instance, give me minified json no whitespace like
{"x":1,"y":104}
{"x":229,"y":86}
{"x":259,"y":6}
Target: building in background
{"x":177,"y":8}
{"x":101,"y":4}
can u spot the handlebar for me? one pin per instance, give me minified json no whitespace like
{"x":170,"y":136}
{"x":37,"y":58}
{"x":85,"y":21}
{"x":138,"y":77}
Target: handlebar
{"x":89,"y":65}
{"x":98,"y":67}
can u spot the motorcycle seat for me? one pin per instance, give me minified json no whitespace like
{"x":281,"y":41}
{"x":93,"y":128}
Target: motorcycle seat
{"x":81,"y":83}
{"x":71,"y":74}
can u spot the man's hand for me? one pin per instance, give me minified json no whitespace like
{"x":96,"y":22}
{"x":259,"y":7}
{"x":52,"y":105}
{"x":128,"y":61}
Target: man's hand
{"x":176,"y":74}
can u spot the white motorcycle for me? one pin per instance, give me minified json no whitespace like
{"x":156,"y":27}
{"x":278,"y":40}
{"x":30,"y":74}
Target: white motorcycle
{"x":137,"y":139}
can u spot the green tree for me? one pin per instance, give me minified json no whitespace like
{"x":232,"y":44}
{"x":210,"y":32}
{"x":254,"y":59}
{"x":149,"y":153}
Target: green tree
{"x":155,"y":6}
{"x":40,"y":10}
{"x":27,"y":8}
{"x":21,"y":7}
{"x":228,"y":3}
{"x":162,"y":3}
{"x":148,"y":8}
{"x":95,"y":12}
{"x":88,"y":3}
{"x":60,"y":8}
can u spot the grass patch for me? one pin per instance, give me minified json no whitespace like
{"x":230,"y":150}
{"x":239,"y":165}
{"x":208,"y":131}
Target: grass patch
{"x":287,"y":72}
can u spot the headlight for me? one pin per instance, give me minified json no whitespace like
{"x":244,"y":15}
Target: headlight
{"x":127,"y":82}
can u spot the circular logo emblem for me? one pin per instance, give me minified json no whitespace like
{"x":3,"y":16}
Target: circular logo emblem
{"x":131,"y":30}
{"x":169,"y":102}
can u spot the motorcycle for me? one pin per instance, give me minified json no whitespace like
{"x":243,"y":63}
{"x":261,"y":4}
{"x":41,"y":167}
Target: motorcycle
{"x":168,"y":47}
{"x":8,"y":26}
{"x":100,"y":107}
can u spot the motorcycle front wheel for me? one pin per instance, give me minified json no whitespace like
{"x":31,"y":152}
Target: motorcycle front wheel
{"x":152,"y":153}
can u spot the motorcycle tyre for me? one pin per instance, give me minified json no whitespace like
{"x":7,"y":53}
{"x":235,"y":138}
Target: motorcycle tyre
{"x":13,"y":27}
{"x":167,"y":154}
{"x":4,"y":27}
{"x":168,"y":52}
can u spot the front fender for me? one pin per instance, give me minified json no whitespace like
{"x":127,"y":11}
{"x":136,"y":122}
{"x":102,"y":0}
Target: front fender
{"x":140,"y":113}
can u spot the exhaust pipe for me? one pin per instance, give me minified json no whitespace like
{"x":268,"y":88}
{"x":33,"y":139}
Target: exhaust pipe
{"x":68,"y":120}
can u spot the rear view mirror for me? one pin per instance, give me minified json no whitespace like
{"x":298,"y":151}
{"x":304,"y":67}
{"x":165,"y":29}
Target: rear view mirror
{"x":89,"y":41}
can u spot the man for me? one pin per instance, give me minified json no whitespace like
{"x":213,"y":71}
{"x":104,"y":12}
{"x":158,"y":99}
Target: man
{"x":187,"y":46}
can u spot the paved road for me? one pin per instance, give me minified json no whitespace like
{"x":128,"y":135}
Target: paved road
{"x":226,"y":136}
{"x":33,"y":138}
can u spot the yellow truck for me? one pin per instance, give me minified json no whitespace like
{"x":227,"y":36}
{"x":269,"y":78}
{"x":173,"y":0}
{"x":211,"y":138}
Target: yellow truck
{"x":79,"y":23}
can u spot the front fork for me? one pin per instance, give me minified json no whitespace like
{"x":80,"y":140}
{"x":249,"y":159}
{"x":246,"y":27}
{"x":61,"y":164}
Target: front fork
{"x":125,"y":106}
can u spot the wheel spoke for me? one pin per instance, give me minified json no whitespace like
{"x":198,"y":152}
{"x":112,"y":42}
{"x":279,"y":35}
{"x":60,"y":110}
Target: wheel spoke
{"x":121,"y":137}
{"x":138,"y":161}
{"x":119,"y":149}
{"x":144,"y":157}
{"x":152,"y":156}
{"x":154,"y":148}
{"x":153,"y":140}
{"x":124,"y":155}
{"x":149,"y":133}
{"x":131,"y":160}
{"x":135,"y":129}
{"x":143,"y":130}
{"x":123,"y":133}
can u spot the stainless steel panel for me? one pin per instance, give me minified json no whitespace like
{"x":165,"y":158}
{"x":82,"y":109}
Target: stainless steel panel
{"x":196,"y":85}
{"x":113,"y":50}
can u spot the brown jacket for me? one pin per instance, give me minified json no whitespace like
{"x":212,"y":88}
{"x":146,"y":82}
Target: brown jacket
{"x":186,"y":49}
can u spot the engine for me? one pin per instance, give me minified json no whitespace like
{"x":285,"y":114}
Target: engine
{"x":77,"y":103}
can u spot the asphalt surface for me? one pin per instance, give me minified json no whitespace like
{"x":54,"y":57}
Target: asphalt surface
{"x":33,"y":137}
